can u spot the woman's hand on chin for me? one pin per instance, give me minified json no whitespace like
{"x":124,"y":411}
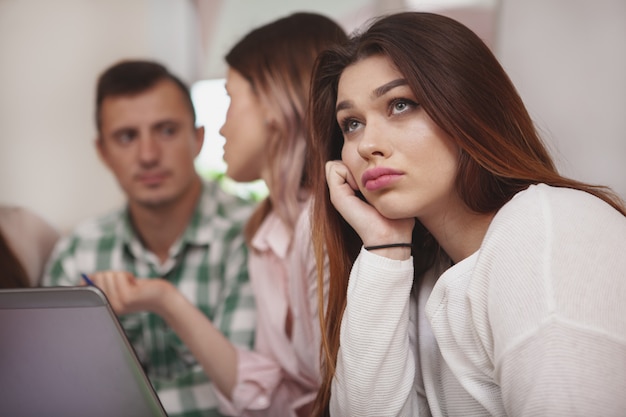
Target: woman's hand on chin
{"x":371,"y":226}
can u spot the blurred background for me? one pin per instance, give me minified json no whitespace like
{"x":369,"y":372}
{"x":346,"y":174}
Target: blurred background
{"x":566,"y":57}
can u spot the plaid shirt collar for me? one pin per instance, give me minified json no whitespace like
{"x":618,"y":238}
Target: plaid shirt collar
{"x":193,"y":235}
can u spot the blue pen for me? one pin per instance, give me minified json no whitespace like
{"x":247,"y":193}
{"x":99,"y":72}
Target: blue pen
{"x":87,"y":280}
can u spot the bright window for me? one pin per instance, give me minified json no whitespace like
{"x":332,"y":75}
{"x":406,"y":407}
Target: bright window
{"x":211,"y":102}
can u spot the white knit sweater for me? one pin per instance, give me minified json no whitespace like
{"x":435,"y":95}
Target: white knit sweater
{"x":532,"y":324}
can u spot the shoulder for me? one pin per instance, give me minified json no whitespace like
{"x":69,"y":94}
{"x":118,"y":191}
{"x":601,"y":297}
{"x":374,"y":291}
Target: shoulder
{"x":547,"y":243}
{"x":542,"y":209}
{"x":9,"y":214}
{"x":101,"y":226}
{"x":545,"y":197}
{"x":79,"y":250}
{"x":21,"y":216}
{"x":220,"y":218}
{"x":551,"y":239}
{"x":551,"y":253}
{"x":218,"y":204}
{"x":17,"y":218}
{"x":27,"y":231}
{"x":87,"y":233}
{"x":30,"y":237}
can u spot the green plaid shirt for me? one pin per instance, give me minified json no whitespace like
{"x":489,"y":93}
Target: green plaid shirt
{"x":208,"y":264}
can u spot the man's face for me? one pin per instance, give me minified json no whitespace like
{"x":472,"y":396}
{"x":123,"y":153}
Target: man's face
{"x":149,"y":142}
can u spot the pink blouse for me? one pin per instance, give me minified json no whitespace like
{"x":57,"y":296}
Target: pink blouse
{"x":281,"y":376}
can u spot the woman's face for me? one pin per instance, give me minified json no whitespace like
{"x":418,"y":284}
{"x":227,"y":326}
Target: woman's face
{"x":403,"y":163}
{"x":246,"y":130}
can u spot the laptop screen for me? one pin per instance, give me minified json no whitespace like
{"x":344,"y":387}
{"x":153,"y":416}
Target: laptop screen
{"x":63,"y":353}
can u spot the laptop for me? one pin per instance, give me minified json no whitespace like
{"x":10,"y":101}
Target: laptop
{"x":64,"y":353}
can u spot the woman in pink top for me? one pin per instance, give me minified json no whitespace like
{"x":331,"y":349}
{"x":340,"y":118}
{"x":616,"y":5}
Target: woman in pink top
{"x":268,"y":84}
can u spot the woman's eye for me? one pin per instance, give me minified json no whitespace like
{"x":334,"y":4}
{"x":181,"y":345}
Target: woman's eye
{"x":350,"y":125}
{"x":401,"y":105}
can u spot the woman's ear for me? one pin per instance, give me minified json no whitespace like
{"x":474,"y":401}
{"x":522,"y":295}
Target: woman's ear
{"x":269,"y":115}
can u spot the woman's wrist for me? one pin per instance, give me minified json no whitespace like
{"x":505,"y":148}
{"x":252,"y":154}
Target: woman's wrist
{"x":399,"y":251}
{"x":171,"y":300}
{"x":388,"y":245}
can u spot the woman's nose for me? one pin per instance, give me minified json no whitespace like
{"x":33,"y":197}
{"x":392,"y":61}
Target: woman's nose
{"x":373,"y":141}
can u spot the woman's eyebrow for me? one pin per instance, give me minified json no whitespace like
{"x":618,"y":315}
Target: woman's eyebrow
{"x":342,"y":105}
{"x":389,"y":86}
{"x":378,"y":92}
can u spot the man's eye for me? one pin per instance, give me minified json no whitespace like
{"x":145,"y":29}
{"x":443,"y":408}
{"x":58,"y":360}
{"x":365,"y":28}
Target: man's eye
{"x":125,"y":137}
{"x":168,"y":131}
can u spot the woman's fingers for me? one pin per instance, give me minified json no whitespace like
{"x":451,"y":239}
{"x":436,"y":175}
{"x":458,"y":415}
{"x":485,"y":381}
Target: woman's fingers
{"x":117,"y":286}
{"x":371,"y":226}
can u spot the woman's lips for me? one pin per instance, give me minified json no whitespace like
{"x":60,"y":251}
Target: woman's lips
{"x":376,"y":178}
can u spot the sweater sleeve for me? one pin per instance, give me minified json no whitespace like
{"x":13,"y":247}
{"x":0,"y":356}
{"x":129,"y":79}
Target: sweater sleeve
{"x":376,"y":363}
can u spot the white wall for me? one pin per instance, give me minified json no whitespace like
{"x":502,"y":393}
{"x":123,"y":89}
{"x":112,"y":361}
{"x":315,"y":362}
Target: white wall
{"x":568,"y":61}
{"x":226,"y":21}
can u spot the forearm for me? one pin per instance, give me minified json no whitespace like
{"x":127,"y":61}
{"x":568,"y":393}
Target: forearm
{"x":215,"y":353}
{"x":375,"y":366}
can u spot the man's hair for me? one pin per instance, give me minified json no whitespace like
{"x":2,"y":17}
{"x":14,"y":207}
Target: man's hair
{"x":133,"y":77}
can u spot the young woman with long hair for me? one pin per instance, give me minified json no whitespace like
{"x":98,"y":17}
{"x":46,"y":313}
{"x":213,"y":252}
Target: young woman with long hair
{"x":268,"y":79}
{"x":467,"y":276}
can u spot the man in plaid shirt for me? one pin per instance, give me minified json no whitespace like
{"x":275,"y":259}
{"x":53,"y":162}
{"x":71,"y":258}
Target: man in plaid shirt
{"x":178,"y":238}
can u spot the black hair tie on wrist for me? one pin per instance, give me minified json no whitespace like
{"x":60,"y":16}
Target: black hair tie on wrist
{"x":389,"y":245}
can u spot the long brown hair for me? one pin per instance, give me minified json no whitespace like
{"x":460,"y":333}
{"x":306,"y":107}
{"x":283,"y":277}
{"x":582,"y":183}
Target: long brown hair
{"x":466,"y":92}
{"x":277,"y":59}
{"x":13,"y":273}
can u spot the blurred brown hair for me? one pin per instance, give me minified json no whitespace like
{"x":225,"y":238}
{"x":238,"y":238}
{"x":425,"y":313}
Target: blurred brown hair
{"x":277,"y":59}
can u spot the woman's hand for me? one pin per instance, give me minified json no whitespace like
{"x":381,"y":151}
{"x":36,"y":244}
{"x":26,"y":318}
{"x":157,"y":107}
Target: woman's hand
{"x":371,"y":226}
{"x":127,"y":294}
